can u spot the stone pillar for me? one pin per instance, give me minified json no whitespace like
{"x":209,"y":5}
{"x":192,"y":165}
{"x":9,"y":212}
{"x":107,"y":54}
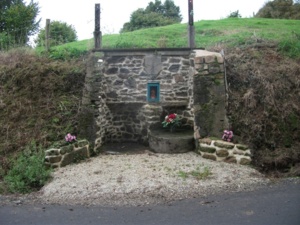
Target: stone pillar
{"x":209,"y":94}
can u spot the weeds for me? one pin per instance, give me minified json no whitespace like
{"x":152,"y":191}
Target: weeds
{"x":41,"y":97}
{"x":28,"y":172}
{"x":198,"y":174}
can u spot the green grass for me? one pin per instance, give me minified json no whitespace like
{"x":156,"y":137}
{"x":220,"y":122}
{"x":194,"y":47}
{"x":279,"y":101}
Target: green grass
{"x":208,"y":33}
{"x":200,"y":173}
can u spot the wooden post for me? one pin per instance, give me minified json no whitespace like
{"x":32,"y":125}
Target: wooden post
{"x":191,"y":41}
{"x":47,"y":35}
{"x":97,"y":32}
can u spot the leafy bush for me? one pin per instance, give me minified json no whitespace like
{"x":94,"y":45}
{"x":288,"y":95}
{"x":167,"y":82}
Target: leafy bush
{"x":28,"y":172}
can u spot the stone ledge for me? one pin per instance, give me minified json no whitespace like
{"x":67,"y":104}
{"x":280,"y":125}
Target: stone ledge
{"x":219,"y":150}
{"x":164,"y":141}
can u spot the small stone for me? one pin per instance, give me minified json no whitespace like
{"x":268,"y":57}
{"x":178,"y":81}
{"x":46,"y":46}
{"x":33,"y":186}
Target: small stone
{"x":51,"y":152}
{"x":81,"y":143}
{"x":210,"y":59}
{"x":119,"y":179}
{"x":199,"y":60}
{"x":207,"y":149}
{"x":222,"y":153}
{"x":205,"y":141}
{"x":17,"y":202}
{"x":242,"y":147}
{"x":238,"y":152}
{"x":211,"y":157}
{"x":66,"y":149}
{"x":223,"y":144}
{"x":53,"y":159}
{"x":245,"y":161}
{"x":230,"y":159}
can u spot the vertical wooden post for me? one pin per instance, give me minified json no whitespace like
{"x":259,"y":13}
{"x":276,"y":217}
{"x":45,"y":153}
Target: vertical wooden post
{"x":97,"y":32}
{"x":191,"y":41}
{"x":47,"y":35}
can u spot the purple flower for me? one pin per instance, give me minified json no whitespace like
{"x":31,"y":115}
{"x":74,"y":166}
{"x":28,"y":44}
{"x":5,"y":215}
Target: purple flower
{"x":227,"y":135}
{"x":70,"y":138}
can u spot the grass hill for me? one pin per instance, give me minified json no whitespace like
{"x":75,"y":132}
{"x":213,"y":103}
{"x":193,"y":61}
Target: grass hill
{"x":229,"y":32}
{"x":40,"y":92}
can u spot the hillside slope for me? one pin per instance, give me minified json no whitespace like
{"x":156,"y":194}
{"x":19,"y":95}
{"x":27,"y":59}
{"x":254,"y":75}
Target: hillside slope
{"x":39,"y":101}
{"x":264,"y":105}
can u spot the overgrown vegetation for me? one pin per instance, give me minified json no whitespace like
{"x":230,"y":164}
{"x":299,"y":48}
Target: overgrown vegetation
{"x":28,"y":171}
{"x":39,"y":99}
{"x":264,"y":105}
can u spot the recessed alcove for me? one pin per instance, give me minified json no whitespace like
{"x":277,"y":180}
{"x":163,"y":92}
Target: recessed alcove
{"x":121,"y":83}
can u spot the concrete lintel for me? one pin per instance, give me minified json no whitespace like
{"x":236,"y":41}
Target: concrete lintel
{"x":146,"y":51}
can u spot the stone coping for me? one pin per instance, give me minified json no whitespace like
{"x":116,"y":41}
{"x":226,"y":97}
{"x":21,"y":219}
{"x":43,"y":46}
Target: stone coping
{"x":146,"y":51}
{"x":169,"y":103}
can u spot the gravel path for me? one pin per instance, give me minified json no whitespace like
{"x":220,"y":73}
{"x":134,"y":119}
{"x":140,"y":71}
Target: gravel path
{"x":146,"y":178}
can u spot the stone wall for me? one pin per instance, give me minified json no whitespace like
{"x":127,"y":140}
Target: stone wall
{"x":65,"y":155}
{"x":218,"y":150}
{"x":191,"y":84}
{"x":116,"y":87}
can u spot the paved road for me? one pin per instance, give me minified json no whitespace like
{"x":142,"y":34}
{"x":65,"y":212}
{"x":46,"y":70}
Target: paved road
{"x":276,"y":204}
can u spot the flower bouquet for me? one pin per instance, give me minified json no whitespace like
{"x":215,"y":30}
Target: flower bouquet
{"x":171,"y":121}
{"x":228,"y":136}
{"x":70,"y":138}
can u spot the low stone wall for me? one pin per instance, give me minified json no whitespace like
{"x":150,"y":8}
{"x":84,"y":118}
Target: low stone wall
{"x":65,"y":155}
{"x":218,"y":150}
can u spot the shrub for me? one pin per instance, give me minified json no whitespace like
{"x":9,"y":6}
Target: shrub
{"x":28,"y":172}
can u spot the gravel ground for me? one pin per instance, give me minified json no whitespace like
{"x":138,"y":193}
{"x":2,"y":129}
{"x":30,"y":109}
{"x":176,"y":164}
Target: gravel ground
{"x":147,"y":178}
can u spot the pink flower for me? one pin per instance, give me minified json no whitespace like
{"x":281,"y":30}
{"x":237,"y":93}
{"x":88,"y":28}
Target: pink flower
{"x":70,"y":138}
{"x":227,"y":135}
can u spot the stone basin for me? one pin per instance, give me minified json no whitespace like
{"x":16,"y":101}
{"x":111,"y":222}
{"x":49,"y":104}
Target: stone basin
{"x":164,"y":141}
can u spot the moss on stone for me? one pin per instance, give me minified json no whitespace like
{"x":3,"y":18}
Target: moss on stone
{"x":81,"y":143}
{"x":205,"y":141}
{"x":245,"y":161}
{"x":222,"y":153}
{"x":207,"y":149}
{"x":51,"y":152}
{"x":223,"y":144}
{"x":241,"y":147}
{"x":231,"y":159}
{"x":208,"y":156}
{"x":66,"y":149}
